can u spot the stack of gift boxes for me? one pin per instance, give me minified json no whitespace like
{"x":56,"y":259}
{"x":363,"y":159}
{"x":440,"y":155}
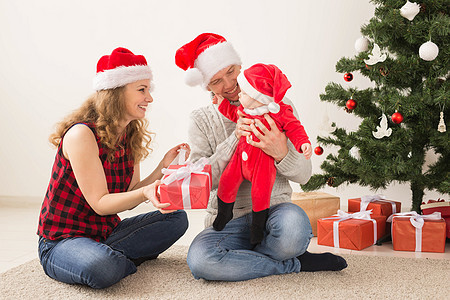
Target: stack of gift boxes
{"x":372,"y":217}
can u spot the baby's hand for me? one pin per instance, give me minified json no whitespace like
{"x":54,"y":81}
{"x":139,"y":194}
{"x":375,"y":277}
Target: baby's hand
{"x":217,"y":99}
{"x":307,"y":150}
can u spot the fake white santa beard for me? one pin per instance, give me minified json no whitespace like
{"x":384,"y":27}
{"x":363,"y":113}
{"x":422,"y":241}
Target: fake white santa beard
{"x":257,"y":111}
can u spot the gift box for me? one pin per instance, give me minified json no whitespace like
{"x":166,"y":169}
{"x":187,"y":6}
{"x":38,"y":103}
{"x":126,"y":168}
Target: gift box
{"x":186,"y":186}
{"x":316,"y":205}
{"x":420,"y":233}
{"x":378,"y":204}
{"x":350,"y":231}
{"x":438,"y":206}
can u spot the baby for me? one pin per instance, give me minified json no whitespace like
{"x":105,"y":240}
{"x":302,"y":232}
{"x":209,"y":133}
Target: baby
{"x":262,"y":90}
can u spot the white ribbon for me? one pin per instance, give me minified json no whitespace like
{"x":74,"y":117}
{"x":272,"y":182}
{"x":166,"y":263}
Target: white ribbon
{"x":184,"y":173}
{"x":365,"y":200}
{"x":417,"y":221}
{"x":342,"y":216}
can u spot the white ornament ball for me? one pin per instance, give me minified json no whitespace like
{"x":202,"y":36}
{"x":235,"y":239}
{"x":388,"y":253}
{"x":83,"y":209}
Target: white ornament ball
{"x":428,"y":51}
{"x":354,"y":152}
{"x":410,"y":10}
{"x":362,"y":44}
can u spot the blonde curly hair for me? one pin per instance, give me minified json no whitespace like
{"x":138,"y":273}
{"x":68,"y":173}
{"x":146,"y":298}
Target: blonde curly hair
{"x":105,"y":109}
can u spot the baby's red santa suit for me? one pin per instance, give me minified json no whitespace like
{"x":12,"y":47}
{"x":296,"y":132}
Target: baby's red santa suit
{"x":267,"y":85}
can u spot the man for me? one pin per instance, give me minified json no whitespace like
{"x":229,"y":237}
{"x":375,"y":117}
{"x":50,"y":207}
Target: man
{"x":209,"y":60}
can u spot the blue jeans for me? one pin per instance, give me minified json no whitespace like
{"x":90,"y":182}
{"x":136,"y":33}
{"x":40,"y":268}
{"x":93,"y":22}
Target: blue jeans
{"x":81,"y":260}
{"x":228,"y":255}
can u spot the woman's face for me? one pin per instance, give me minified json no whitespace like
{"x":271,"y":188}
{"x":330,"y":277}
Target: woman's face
{"x":225,"y":84}
{"x":137,"y":97}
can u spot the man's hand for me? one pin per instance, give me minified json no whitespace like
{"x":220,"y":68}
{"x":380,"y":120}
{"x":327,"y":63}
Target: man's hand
{"x":272,"y":141}
{"x":243,"y":125}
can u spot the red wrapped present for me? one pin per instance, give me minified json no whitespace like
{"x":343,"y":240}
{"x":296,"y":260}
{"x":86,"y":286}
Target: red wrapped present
{"x":420,"y":233}
{"x":438,"y":206}
{"x":350,"y":231}
{"x":377,"y":203}
{"x":186,"y":186}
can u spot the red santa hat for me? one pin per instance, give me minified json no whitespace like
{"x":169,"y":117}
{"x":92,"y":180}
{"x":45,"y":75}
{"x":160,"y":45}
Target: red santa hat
{"x":204,"y":56}
{"x":266,"y":84}
{"x":119,"y":69}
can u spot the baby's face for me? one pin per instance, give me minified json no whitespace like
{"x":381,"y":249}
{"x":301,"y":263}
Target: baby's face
{"x":247,"y":101}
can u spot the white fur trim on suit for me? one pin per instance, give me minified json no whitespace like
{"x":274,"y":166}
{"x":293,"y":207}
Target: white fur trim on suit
{"x":251,"y":91}
{"x":121,"y":76}
{"x":214,"y":59}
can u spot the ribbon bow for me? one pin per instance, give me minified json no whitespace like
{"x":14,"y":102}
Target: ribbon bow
{"x":417,"y":221}
{"x":365,"y":200}
{"x":342,"y":216}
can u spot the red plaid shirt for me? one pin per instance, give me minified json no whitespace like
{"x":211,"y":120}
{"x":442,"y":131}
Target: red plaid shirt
{"x":66,"y":213}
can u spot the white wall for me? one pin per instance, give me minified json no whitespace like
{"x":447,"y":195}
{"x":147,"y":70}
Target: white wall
{"x":49,"y":50}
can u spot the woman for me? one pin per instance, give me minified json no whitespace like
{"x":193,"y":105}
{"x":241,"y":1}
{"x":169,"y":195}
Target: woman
{"x":96,"y":175}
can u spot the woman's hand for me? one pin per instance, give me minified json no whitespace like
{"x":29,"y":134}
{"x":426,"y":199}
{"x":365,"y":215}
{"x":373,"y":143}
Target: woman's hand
{"x":243,"y":125}
{"x":272,"y":141}
{"x":151,"y":194}
{"x":172,"y":153}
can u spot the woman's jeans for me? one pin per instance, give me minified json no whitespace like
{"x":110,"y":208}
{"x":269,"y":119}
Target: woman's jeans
{"x":228,"y":255}
{"x":81,"y":260}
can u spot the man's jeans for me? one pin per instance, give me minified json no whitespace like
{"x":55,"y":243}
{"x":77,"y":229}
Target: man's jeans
{"x":81,"y":260}
{"x":228,"y":255}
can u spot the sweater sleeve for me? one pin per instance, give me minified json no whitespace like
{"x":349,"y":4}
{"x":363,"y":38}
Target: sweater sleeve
{"x":228,"y":110}
{"x":294,"y":166}
{"x":202,"y":142}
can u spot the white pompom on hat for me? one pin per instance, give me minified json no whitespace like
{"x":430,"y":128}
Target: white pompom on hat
{"x":119,"y":69}
{"x":266,"y":84}
{"x":204,"y":56}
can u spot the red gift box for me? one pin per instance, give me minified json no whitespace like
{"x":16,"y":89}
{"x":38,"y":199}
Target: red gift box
{"x":190,"y":189}
{"x":420,"y":233}
{"x":438,"y":206}
{"x":377,"y":204}
{"x":353,"y":232}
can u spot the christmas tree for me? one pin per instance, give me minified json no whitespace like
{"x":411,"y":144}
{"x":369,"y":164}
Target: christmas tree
{"x":404,"y":52}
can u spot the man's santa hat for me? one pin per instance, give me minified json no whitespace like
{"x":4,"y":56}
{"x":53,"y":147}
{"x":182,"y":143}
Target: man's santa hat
{"x":266,"y":84}
{"x":203,"y":57}
{"x":119,"y":69}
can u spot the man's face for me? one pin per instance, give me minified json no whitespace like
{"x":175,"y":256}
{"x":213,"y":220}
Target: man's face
{"x":225,"y":84}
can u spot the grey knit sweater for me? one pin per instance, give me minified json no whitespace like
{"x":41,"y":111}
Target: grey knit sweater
{"x":211,"y":135}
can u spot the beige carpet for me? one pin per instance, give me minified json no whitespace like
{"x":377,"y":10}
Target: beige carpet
{"x":168,"y":277}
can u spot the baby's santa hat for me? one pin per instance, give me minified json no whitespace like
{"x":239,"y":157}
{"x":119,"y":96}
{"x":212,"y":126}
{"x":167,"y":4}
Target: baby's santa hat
{"x":119,"y":69}
{"x":266,"y":84}
{"x":204,"y":56}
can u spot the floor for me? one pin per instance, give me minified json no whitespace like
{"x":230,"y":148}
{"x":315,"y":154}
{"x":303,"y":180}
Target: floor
{"x":18,"y":239}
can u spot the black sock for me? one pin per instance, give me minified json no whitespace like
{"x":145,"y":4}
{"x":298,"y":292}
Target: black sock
{"x":311,"y":262}
{"x":259,"y":220}
{"x":224,"y":214}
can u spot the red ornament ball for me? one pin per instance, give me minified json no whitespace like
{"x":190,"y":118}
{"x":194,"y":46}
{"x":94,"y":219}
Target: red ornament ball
{"x":318,"y":150}
{"x":351,"y":104}
{"x":397,"y":118}
{"x":348,"y":76}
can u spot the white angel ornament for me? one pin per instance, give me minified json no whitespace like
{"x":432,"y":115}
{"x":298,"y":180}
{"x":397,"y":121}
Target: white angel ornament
{"x":375,"y":56}
{"x":383,"y":129}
